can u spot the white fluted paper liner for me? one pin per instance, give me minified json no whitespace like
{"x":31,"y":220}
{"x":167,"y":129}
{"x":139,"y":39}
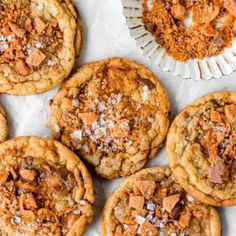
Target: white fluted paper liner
{"x":206,"y":68}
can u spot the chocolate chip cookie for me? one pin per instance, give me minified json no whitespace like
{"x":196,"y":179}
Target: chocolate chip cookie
{"x":112,"y":113}
{"x":39,"y":42}
{"x":201,"y":148}
{"x":150,"y":203}
{"x":45,"y":189}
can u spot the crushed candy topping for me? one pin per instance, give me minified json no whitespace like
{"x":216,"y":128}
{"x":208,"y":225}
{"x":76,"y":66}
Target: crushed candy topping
{"x":28,"y":41}
{"x":104,"y":116}
{"x":152,"y":208}
{"x":190,"y":29}
{"x":38,"y":200}
{"x":216,"y":135}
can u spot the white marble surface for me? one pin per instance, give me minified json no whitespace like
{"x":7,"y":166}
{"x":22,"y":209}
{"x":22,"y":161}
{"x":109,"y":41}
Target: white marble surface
{"x":107,"y":35}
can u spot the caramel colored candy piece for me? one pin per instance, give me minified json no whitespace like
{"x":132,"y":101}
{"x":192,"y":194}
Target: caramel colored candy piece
{"x":88,"y":118}
{"x":21,"y":68}
{"x":178,"y":11}
{"x":27,"y":201}
{"x":205,"y":14}
{"x":35,"y":58}
{"x":148,"y":229}
{"x":185,"y":219}
{"x":230,"y":112}
{"x":118,"y":231}
{"x":215,"y":116}
{"x":28,"y":175}
{"x":136,"y":202}
{"x":170,"y":202}
{"x":230,"y":5}
{"x":18,"y":31}
{"x":146,"y":187}
{"x":3,"y":177}
{"x":39,"y":25}
{"x":131,"y":231}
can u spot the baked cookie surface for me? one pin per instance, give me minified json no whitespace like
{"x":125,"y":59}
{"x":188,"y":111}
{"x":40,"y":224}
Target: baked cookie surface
{"x":150,"y":203}
{"x":45,"y":189}
{"x":39,"y":41}
{"x":70,"y":6}
{"x":201,"y":149}
{"x":3,"y":125}
{"x":113,"y":113}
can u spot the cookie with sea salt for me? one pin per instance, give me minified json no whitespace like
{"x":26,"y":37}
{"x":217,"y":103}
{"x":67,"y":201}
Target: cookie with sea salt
{"x":201,"y":148}
{"x":45,"y":189}
{"x":112,"y":113}
{"x":3,"y":125}
{"x":150,"y":203}
{"x":39,"y":43}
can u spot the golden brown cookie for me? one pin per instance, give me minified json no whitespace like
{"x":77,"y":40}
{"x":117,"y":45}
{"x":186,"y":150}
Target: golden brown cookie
{"x":40,"y":41}
{"x":79,"y":30}
{"x":3,"y":125}
{"x":150,"y":203}
{"x":45,"y":189}
{"x":113,"y":113}
{"x":201,"y":148}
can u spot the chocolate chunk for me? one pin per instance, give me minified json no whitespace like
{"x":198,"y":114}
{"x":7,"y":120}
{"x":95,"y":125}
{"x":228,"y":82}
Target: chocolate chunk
{"x":217,"y":171}
{"x":147,"y":82}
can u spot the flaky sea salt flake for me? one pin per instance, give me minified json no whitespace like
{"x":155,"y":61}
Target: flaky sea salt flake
{"x":77,"y":134}
{"x":82,"y":202}
{"x":149,"y":217}
{"x":3,"y":47}
{"x":150,"y":119}
{"x":39,"y":45}
{"x":189,"y":198}
{"x":77,"y":211}
{"x":57,"y":128}
{"x":51,"y":62}
{"x":125,"y":226}
{"x":6,"y":74}
{"x":17,"y":219}
{"x":150,"y":205}
{"x":173,"y":234}
{"x":40,"y":6}
{"x":146,"y":93}
{"x":125,"y":125}
{"x":139,"y":219}
{"x":101,"y":106}
{"x":75,"y":102}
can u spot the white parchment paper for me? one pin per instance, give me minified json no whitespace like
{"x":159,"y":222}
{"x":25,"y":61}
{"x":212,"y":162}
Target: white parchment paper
{"x":107,"y":35}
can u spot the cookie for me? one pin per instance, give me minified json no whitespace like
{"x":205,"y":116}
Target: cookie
{"x":201,"y":149}
{"x":191,"y":29}
{"x":69,"y":5}
{"x":45,"y":189}
{"x":3,"y":125}
{"x":112,"y":113}
{"x":150,"y":203}
{"x":39,"y":44}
